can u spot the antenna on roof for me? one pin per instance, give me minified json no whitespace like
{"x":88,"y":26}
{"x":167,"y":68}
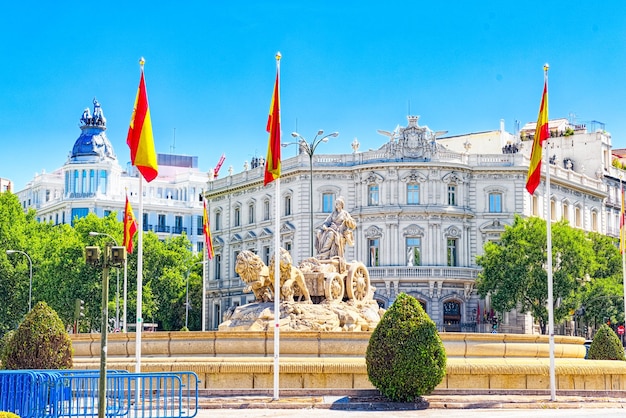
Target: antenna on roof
{"x":173,"y":146}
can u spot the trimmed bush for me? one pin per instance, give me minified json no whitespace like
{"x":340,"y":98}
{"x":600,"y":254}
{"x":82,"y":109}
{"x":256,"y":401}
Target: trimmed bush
{"x":40,"y":342}
{"x":4,"y":346}
{"x":405,"y":356}
{"x":606,"y":345}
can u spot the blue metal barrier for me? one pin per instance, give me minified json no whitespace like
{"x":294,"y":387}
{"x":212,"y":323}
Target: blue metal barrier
{"x":74,"y":393}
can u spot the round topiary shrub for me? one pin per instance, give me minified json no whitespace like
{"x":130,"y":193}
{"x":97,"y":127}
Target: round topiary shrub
{"x":405,"y":356}
{"x":606,"y":345}
{"x":40,"y":342}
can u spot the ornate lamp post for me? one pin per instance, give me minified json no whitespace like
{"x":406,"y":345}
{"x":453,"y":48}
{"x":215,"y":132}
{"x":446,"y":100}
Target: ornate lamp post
{"x":30,"y":286}
{"x":309,"y":148}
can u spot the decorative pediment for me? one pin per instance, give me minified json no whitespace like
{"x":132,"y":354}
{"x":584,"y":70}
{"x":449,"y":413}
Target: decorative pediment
{"x":266,"y":232}
{"x":373,"y":232}
{"x":453,"y":178}
{"x":413,"y":231}
{"x":235,"y":238}
{"x":373,"y":178}
{"x":414,"y":176}
{"x":287,"y":228}
{"x":492,"y":227}
{"x":250,"y":236}
{"x":452,"y":232}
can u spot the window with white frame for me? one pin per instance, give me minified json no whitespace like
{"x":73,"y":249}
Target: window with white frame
{"x":328,"y":202}
{"x":266,"y":210}
{"x":237,"y":216}
{"x":495,"y":202}
{"x":251,"y":213}
{"x":287,"y":205}
{"x":413,"y":251}
{"x":218,"y":221}
{"x":372,"y":193}
{"x":413,"y":194}
{"x":452,"y":194}
{"x":374,"y":251}
{"x":452,"y":252}
{"x":577,"y":217}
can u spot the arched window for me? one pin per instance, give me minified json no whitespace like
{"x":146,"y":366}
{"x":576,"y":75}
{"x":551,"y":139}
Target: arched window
{"x":452,"y":316}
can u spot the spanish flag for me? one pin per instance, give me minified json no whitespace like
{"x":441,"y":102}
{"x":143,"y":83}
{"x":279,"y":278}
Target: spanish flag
{"x":541,"y":134}
{"x":208,"y":241}
{"x":140,"y":139}
{"x":272,"y":163}
{"x":130,"y":227}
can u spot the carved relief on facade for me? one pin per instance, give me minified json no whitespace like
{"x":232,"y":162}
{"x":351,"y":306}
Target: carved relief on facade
{"x":413,"y":231}
{"x":452,"y":232}
{"x":453,"y":178}
{"x":373,"y":232}
{"x":414,"y":176}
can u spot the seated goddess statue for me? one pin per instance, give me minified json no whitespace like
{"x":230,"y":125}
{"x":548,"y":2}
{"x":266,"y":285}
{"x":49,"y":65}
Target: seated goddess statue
{"x":335,"y":233}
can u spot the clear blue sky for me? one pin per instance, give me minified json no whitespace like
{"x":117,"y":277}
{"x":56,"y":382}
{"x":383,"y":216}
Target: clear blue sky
{"x":348,"y":66}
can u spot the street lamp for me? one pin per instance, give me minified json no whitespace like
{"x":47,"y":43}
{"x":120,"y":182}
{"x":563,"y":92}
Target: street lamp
{"x":30,"y":286}
{"x":117,"y":288}
{"x":187,"y":294}
{"x":309,"y":148}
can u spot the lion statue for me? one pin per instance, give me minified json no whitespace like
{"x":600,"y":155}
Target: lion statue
{"x":254,"y":272}
{"x":291,"y":279}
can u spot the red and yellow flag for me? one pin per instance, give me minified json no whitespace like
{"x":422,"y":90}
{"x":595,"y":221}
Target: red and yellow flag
{"x":140,"y":139}
{"x":130,"y":227}
{"x":622,"y":223}
{"x":541,"y":134}
{"x":208,"y":241}
{"x":272,"y":163}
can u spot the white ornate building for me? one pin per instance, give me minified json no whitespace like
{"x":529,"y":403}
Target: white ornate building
{"x":424,"y":206}
{"x":92,"y":180}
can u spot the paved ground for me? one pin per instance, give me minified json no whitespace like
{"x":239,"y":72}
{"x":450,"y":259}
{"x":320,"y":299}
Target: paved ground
{"x":436,"y":405}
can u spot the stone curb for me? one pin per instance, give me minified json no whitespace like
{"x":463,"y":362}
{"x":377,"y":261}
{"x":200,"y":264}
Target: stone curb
{"x":436,"y":402}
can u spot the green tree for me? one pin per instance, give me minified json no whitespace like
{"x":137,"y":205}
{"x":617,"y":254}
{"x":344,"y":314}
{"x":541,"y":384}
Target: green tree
{"x":514,"y":273}
{"x":14,"y":269}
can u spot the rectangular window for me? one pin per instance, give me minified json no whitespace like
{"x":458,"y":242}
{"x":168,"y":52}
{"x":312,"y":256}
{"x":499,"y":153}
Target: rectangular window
{"x":266,"y":210}
{"x":178,"y":225}
{"x":413,"y":194}
{"x":577,"y":218}
{"x":372,"y":193}
{"x":452,"y":252}
{"x":452,"y":195}
{"x":373,"y":245}
{"x":552,"y":210}
{"x":287,"y":205}
{"x":237,"y":217}
{"x":199,"y":225}
{"x":161,"y":220}
{"x":328,"y":202}
{"x":251,"y":214}
{"x":565,"y":212}
{"x":266,"y":255}
{"x":495,"y":202}
{"x":414,"y":251}
{"x":218,"y":221}
{"x":217,"y":262}
{"x":146,"y":227}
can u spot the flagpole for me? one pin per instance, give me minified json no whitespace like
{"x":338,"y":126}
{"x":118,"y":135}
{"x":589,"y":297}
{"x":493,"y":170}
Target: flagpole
{"x":622,"y":227}
{"x":277,"y":291}
{"x":139,"y":319}
{"x":549,"y":261}
{"x":204,"y":272}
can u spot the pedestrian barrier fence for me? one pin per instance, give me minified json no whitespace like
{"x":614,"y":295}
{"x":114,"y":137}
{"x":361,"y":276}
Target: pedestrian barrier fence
{"x":75,"y":393}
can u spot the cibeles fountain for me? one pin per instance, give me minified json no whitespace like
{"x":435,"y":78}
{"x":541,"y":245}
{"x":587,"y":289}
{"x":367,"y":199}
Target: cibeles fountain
{"x":323,"y":293}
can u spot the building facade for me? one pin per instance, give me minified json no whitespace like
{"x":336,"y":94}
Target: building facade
{"x":93,"y":181}
{"x":425,"y":206}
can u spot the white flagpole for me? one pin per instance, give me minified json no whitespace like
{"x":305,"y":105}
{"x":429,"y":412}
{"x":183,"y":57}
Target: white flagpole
{"x":277,"y":290}
{"x":205,"y":262}
{"x":621,"y":246}
{"x":549,"y":261}
{"x":139,"y":319}
{"x":125,"y":293}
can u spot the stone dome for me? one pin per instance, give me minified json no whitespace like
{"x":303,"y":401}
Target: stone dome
{"x":92,"y":145}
